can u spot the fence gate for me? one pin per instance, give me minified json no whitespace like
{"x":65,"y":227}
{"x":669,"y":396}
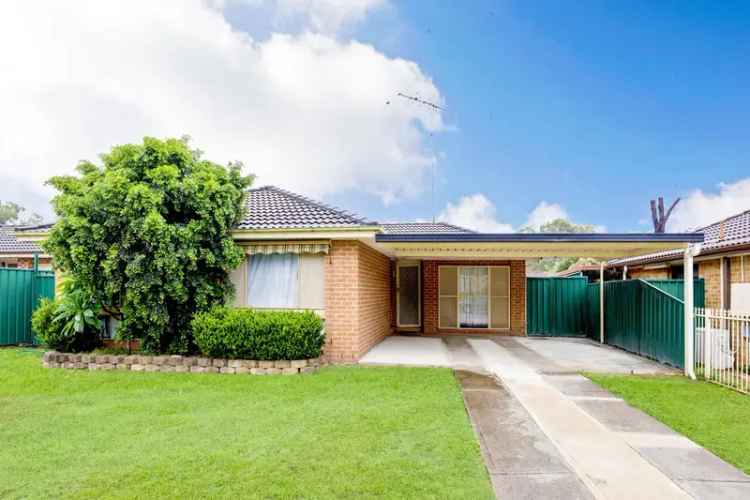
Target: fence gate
{"x":555,"y":306}
{"x":20,"y":291}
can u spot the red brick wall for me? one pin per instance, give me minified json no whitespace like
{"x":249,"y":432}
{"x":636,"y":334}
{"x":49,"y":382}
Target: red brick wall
{"x":358,"y":295}
{"x":374,"y":297}
{"x":430,"y":277}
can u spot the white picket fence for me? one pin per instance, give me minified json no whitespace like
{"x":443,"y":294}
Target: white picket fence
{"x":722,"y":347}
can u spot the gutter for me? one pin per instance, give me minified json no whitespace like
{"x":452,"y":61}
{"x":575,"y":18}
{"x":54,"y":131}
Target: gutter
{"x":541,"y":237}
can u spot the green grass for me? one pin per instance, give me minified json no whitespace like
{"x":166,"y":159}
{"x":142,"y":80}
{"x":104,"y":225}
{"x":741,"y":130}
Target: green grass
{"x":714,"y":417}
{"x":344,"y":432}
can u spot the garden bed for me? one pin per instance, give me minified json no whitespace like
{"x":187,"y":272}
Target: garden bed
{"x":193,"y":364}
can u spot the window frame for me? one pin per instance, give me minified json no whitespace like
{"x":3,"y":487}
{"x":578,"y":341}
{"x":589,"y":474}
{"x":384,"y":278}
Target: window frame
{"x":457,"y":297}
{"x":298,"y":307}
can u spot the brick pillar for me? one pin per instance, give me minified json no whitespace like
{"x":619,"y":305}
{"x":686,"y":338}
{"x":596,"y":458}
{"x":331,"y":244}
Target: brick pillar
{"x":518,"y":297}
{"x":430,"y":296}
{"x":342,"y":302}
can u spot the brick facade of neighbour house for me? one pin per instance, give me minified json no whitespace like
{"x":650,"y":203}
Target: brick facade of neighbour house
{"x":661,"y":273}
{"x":430,"y":273}
{"x":710,"y":271}
{"x":358,"y":299}
{"x":736,"y":271}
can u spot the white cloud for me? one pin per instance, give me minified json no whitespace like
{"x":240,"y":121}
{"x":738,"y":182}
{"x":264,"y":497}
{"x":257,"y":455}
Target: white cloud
{"x":475,"y":212}
{"x":304,"y":111}
{"x":545,"y":212}
{"x":700,"y":208}
{"x":329,"y":15}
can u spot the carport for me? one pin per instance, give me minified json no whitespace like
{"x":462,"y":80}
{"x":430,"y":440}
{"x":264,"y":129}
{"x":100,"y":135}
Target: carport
{"x":457,"y":261}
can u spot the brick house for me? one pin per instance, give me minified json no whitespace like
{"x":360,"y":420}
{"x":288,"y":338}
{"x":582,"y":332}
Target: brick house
{"x":723,"y":263}
{"x":371,"y":280}
{"x":15,"y":253}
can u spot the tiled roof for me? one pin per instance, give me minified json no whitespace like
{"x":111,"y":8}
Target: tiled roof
{"x":10,"y":245}
{"x":422,"y":227}
{"x":725,"y":235}
{"x":36,"y":228}
{"x":269,"y":207}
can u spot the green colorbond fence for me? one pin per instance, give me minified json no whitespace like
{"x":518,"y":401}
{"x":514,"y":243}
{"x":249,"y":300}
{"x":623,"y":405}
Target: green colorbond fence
{"x":591,"y":311}
{"x":555,"y":306}
{"x":644,"y":319}
{"x":20,"y":291}
{"x":676,"y":288}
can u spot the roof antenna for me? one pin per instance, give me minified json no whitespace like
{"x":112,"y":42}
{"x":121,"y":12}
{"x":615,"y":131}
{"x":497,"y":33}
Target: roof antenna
{"x":434,"y":107}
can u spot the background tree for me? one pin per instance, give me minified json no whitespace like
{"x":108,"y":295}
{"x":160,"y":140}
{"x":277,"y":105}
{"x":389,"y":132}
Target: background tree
{"x":148,"y":235}
{"x":556,"y":264}
{"x":659,"y":217}
{"x":13,"y":213}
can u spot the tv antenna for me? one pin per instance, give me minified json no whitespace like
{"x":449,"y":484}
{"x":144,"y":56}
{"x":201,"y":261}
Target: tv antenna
{"x":433,"y":107}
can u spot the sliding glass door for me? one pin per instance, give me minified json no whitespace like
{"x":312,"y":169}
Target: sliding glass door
{"x":474,"y":297}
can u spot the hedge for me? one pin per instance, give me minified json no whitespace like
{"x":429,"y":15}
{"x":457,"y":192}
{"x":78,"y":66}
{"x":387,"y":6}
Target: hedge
{"x":226,"y":332}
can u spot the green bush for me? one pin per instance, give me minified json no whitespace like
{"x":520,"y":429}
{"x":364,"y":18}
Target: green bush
{"x":51,"y":330}
{"x":225,"y":332}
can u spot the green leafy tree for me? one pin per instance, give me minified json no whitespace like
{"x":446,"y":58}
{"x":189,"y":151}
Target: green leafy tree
{"x":13,"y":213}
{"x":556,"y":264}
{"x":148,"y":236}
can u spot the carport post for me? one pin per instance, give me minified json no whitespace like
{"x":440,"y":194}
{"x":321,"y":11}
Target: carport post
{"x":601,"y":302}
{"x":689,"y":312}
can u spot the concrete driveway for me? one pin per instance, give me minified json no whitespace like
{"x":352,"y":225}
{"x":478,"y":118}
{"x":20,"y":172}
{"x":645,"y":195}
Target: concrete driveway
{"x":548,"y":432}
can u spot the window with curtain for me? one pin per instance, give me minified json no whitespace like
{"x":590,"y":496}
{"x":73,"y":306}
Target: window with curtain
{"x":286,"y":281}
{"x":474,"y":297}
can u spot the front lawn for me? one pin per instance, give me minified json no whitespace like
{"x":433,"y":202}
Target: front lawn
{"x":712,"y":416}
{"x":344,"y":432}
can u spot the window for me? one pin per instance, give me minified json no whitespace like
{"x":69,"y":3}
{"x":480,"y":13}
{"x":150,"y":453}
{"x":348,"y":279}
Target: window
{"x":474,"y":297}
{"x":286,"y":281}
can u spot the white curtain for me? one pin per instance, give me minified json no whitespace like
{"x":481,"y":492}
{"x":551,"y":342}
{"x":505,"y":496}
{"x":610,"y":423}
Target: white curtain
{"x":473,"y":288}
{"x":273,"y":280}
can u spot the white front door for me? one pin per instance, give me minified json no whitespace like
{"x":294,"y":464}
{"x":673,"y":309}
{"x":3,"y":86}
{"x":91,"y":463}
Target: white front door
{"x":408,"y":295}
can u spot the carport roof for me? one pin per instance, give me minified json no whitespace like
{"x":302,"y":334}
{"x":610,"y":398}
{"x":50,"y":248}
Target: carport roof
{"x":531,"y":245}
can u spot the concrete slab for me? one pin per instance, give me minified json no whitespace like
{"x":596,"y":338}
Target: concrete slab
{"x":619,"y":416}
{"x":606,"y":464}
{"x":576,"y":386}
{"x":461,"y":356}
{"x":408,"y":351}
{"x":539,"y":486}
{"x":717,"y":490}
{"x":521,"y":460}
{"x":693,"y":464}
{"x":576,"y":355}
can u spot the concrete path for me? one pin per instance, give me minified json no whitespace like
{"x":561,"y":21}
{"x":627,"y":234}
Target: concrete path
{"x":605,"y":463}
{"x":548,"y":432}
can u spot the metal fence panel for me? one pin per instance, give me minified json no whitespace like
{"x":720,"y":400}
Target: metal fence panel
{"x":676,"y":288}
{"x":592,"y":311}
{"x":555,"y":306}
{"x":644,"y":319}
{"x":20,"y":292}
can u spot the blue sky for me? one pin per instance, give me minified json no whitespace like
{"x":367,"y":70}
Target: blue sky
{"x":582,"y":109}
{"x":597,"y":106}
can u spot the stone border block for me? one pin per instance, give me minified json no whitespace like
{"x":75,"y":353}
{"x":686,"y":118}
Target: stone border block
{"x":176,"y":363}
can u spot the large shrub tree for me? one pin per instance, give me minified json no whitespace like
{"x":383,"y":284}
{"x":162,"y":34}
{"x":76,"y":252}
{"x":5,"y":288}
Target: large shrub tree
{"x":148,"y":234}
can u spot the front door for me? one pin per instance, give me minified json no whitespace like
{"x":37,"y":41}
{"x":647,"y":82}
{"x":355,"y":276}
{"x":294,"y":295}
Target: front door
{"x":408,"y":298}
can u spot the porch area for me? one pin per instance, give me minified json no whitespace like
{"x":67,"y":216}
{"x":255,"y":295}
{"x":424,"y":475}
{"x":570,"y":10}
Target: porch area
{"x":546,"y":355}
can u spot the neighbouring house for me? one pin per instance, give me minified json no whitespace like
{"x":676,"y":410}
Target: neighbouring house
{"x":590,"y":271}
{"x":19,"y":253}
{"x":723,"y":263}
{"x":370,"y":280}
